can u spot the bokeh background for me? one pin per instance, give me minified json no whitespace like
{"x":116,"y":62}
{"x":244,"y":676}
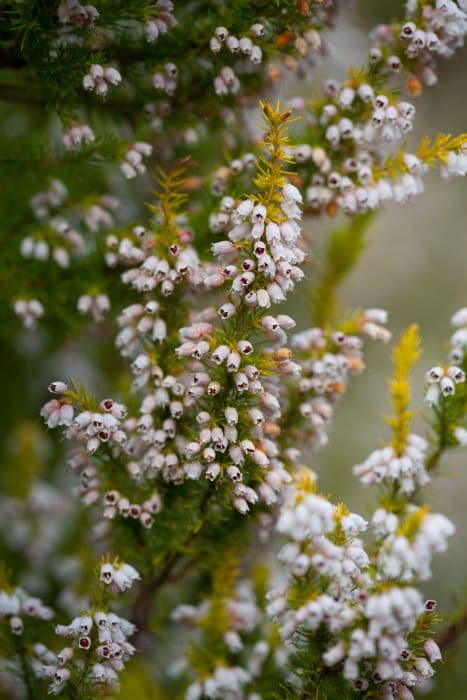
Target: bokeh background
{"x":415,"y":266}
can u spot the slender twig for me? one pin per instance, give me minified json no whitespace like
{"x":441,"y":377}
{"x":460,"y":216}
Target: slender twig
{"x":442,"y":442}
{"x":12,"y":93}
{"x":26,"y":671}
{"x":178,"y":575}
{"x":449,"y":636}
{"x":143,"y":604}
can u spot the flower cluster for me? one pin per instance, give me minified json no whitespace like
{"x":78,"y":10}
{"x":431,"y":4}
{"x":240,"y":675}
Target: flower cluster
{"x":260,"y":263}
{"x":73,"y":12}
{"x":29,"y":311}
{"x":359,"y":593}
{"x":407,"y":551}
{"x":97,"y":639}
{"x":327,"y":359}
{"x":33,"y":525}
{"x":243,"y":45}
{"x":188,"y":427}
{"x":16,"y":604}
{"x":132,"y":164}
{"x":43,"y":203}
{"x":161,"y":21}
{"x":220,"y":180}
{"x":236,"y":627}
{"x":446,"y":386}
{"x":347,"y":162}
{"x":369,"y":615}
{"x":166,"y":80}
{"x":456,"y":163}
{"x":205,"y":436}
{"x":117,"y":504}
{"x":97,"y":306}
{"x":98,"y":649}
{"x":352,"y":184}
{"x":227,"y":82}
{"x":98,"y":215}
{"x":55,"y":236}
{"x":118,"y":575}
{"x":99,"y":78}
{"x":443,"y":382}
{"x":407,"y":470}
{"x":459,"y":338}
{"x":58,"y":241}
{"x":91,"y":429}
{"x":433,"y":30}
{"x":77,"y":136}
{"x":240,"y":45}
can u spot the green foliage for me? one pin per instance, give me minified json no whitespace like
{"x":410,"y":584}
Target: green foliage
{"x":314,"y":681}
{"x":196,"y":548}
{"x":449,"y":413}
{"x":271,"y":172}
{"x":343,"y":250}
{"x":30,"y":26}
{"x":404,"y":356}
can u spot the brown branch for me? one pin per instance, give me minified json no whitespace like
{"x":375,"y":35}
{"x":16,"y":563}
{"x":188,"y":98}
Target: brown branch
{"x":449,"y":636}
{"x":10,"y":55}
{"x":17,"y":94}
{"x":26,"y":670}
{"x":144,"y":601}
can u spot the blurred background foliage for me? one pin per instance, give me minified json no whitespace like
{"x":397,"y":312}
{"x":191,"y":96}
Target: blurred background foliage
{"x":414,"y":264}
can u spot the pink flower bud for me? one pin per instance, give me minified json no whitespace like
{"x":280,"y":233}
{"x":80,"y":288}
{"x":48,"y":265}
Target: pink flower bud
{"x":432,"y":650}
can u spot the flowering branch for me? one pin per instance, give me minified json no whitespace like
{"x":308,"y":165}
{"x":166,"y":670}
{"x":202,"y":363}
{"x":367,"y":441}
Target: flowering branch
{"x":404,"y":357}
{"x":194,"y":463}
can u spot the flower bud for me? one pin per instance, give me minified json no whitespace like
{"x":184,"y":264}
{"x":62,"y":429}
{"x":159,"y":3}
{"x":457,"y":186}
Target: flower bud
{"x":112,"y":76}
{"x":65,"y":655}
{"x":226,"y":310}
{"x":246,"y":45}
{"x":241,"y":505}
{"x":259,"y":458}
{"x":84,"y":643}
{"x":424,"y":667}
{"x":245,"y":347}
{"x":233,"y":362}
{"x":58,"y":387}
{"x":221,"y":33}
{"x":201,"y":349}
{"x":220,"y":354}
{"x":241,"y":381}
{"x":432,"y":650}
{"x":16,"y":624}
{"x":233,"y":44}
{"x":215,"y":45}
{"x":213,"y":471}
{"x":234,"y":473}
{"x":231,"y":415}
{"x":213,"y":388}
{"x":447,"y":386}
{"x":456,"y":374}
{"x":258,"y":30}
